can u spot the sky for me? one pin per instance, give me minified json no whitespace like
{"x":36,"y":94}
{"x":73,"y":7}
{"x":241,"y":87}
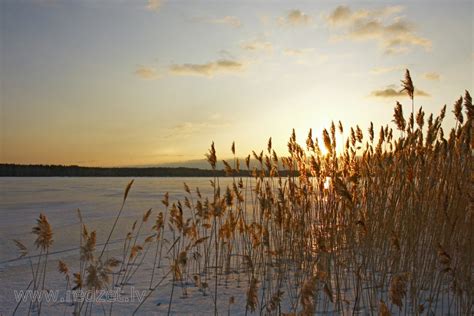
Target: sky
{"x":129,"y":83}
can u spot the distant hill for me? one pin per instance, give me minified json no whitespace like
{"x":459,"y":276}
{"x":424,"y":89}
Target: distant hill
{"x":203,"y":164}
{"x":14,"y":170}
{"x":190,"y":164}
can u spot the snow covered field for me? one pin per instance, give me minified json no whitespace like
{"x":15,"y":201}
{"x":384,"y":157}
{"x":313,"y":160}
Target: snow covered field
{"x":259,"y":271}
{"x":21,"y":201}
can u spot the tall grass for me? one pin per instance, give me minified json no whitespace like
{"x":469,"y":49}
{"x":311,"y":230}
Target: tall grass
{"x":384,"y":226}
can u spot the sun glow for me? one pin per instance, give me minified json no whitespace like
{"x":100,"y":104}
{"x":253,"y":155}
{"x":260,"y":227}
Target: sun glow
{"x":327,"y":183}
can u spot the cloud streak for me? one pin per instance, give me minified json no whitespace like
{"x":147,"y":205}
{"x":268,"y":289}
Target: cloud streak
{"x":226,"y":20}
{"x":393,"y":34}
{"x":298,"y":52}
{"x":295,"y":18}
{"x":209,"y":69}
{"x":382,"y":70}
{"x":343,"y":15}
{"x":391,"y":92}
{"x":188,"y":129}
{"x":257,"y":45}
{"x":306,"y":56}
{"x":432,"y":76}
{"x":154,"y":5}
{"x":146,"y":73}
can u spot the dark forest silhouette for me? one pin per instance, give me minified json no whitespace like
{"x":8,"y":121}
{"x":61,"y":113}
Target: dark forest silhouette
{"x":15,"y":170}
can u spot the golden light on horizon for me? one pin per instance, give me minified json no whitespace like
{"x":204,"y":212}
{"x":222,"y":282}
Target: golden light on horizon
{"x":144,"y":102}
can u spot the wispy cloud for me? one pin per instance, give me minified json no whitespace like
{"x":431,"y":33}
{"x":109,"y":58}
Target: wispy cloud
{"x":257,"y":45}
{"x":145,"y":72}
{"x":343,"y":15}
{"x":225,"y":54}
{"x":226,"y":20}
{"x":167,"y":152}
{"x":382,"y":70}
{"x":392,"y":92}
{"x":188,"y":129}
{"x":298,"y":52}
{"x":306,"y":56}
{"x":393,"y":34}
{"x":295,"y":18}
{"x":154,"y":5}
{"x":207,"y":69}
{"x":432,"y":76}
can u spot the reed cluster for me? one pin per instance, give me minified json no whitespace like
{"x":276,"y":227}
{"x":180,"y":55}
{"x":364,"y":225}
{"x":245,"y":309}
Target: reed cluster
{"x":384,"y":226}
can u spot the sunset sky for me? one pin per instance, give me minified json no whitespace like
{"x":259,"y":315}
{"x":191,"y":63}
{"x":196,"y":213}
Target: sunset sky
{"x":114,"y":83}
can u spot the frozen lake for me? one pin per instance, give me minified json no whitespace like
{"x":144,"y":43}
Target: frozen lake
{"x":22,"y":200}
{"x":99,"y":199}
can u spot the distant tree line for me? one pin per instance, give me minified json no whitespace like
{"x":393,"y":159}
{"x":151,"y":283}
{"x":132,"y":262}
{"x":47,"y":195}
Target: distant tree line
{"x":14,"y":170}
